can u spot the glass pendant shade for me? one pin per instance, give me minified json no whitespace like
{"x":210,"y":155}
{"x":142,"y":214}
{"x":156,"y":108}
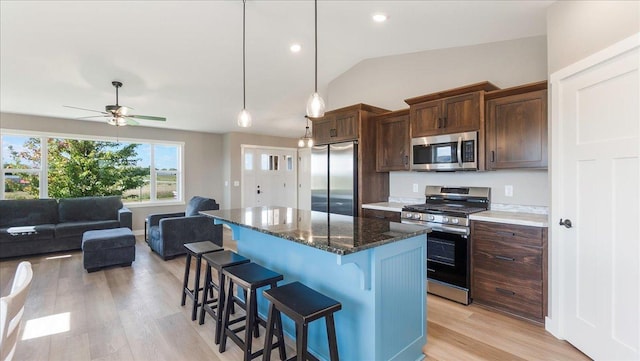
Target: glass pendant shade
{"x":315,"y":106}
{"x":244,"y":119}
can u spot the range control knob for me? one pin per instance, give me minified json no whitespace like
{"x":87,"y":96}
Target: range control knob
{"x":455,"y":221}
{"x":408,"y":215}
{"x":417,"y":216}
{"x":445,"y":219}
{"x":431,"y":217}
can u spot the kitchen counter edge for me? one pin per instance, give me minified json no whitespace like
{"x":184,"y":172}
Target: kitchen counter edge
{"x":517,"y":218}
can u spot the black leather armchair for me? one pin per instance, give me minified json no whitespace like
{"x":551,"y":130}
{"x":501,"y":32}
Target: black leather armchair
{"x":168,"y":232}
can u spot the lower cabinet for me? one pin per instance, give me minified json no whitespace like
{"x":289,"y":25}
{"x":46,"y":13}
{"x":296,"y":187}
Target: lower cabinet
{"x":379,"y":214}
{"x":509,"y":268}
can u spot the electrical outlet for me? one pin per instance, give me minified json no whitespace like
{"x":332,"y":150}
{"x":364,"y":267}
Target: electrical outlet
{"x":508,"y":191}
{"x":236,"y":183}
{"x":415,"y":188}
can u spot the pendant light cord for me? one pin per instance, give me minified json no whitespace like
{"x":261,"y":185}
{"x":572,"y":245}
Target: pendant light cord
{"x":244,"y":85}
{"x":316,"y":44}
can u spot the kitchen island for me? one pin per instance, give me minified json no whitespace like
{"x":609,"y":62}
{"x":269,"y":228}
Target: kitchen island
{"x":375,"y":268}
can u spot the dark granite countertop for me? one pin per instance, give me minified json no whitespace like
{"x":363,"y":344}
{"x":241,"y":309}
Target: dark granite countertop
{"x":329,"y":232}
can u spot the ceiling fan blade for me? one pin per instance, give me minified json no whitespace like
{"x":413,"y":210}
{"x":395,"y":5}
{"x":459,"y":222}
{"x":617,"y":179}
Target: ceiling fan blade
{"x":90,"y":110}
{"x":94,"y":116}
{"x":131,"y":121}
{"x":147,"y":117}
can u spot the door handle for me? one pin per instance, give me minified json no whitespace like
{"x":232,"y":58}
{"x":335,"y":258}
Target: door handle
{"x":566,"y":223}
{"x":503,"y":258}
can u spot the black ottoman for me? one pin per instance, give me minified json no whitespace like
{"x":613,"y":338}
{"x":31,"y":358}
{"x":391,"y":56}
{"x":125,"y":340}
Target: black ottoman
{"x":108,"y":247}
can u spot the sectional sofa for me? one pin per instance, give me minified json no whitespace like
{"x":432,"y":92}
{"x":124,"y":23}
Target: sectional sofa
{"x":34,"y":226}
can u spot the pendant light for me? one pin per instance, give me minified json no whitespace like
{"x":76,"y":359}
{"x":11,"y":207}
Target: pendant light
{"x":244,"y":118}
{"x":315,"y":104}
{"x":307,"y":139}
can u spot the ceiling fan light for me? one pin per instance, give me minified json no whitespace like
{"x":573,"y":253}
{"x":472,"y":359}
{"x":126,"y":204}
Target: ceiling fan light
{"x":300,"y":142}
{"x":117,"y":121}
{"x":315,"y":106}
{"x":310,"y":142}
{"x":244,"y":119}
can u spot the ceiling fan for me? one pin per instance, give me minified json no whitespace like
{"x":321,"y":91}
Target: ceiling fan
{"x":118,"y":115}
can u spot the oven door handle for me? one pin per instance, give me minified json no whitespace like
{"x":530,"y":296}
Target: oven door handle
{"x":446,"y":229}
{"x":459,"y":151}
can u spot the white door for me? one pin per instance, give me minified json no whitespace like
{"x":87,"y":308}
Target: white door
{"x":595,"y":175}
{"x":269,"y":176}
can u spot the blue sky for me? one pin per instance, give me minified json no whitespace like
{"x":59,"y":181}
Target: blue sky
{"x":166,"y":156}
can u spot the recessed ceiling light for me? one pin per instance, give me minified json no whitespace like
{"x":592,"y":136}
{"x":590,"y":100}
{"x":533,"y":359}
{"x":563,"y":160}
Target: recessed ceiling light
{"x":295,"y":48}
{"x":379,"y":17}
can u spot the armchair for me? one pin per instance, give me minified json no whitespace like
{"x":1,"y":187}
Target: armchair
{"x":168,"y":232}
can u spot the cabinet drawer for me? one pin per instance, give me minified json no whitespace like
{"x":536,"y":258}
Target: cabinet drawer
{"x":508,"y":233}
{"x":379,"y":214}
{"x":512,"y":260}
{"x":521,"y":298}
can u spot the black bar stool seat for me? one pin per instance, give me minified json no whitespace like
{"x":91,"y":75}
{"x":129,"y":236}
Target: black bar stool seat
{"x":215,"y":306}
{"x":249,"y":277}
{"x":195,"y":249}
{"x":303,"y":305}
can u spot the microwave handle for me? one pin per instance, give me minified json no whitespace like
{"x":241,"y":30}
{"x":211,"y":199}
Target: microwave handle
{"x":460,"y":151}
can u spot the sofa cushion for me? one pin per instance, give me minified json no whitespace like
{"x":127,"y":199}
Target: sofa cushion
{"x":28,"y":212}
{"x":71,"y":229}
{"x":197,"y":204}
{"x":89,"y":208}
{"x":42,"y":231}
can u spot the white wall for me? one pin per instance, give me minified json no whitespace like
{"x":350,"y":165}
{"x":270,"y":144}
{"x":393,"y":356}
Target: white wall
{"x":576,"y":29}
{"x":387,"y":81}
{"x":203,"y":154}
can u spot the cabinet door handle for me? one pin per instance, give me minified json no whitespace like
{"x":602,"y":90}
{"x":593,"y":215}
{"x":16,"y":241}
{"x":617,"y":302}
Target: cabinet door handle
{"x":438,"y":123}
{"x":493,"y":156}
{"x":406,"y":160}
{"x":379,"y":216}
{"x":444,"y":122}
{"x":511,"y":259}
{"x":508,"y":234}
{"x":505,"y":292}
{"x":430,"y":270}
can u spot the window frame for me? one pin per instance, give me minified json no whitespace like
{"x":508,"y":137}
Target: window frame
{"x":44,"y":167}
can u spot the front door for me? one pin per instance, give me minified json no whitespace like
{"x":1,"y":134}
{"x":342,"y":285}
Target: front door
{"x":595,"y":222}
{"x":269,"y":176}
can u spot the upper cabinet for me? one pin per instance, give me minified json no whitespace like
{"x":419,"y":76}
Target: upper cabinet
{"x":451,"y":111}
{"x":342,"y":124}
{"x":392,"y":132}
{"x":516,"y":129}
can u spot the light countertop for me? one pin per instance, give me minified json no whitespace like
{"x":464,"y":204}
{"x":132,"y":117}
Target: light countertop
{"x":519,"y":218}
{"x":386,"y":206}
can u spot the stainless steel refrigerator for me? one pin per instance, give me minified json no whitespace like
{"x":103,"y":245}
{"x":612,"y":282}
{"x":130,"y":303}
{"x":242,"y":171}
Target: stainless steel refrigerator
{"x":334,"y":178}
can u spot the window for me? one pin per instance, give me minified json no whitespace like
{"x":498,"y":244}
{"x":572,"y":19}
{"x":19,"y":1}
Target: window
{"x":64,"y":167}
{"x":21,"y":167}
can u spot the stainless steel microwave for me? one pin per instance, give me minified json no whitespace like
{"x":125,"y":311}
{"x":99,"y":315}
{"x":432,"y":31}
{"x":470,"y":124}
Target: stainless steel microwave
{"x":448,"y":152}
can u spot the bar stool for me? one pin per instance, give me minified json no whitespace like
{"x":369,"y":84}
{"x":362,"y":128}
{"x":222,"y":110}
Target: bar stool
{"x":196,"y":249}
{"x":303,"y":305}
{"x":249,"y":277}
{"x":215,"y":306}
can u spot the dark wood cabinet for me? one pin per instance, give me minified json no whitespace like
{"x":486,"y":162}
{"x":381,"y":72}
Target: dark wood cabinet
{"x":336,"y":127}
{"x":380,"y":214}
{"x":451,"y":111}
{"x":356,"y":123}
{"x":516,"y":135}
{"x":394,"y":144}
{"x":509,"y":268}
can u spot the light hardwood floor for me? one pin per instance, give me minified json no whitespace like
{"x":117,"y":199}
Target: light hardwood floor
{"x":134,"y":313}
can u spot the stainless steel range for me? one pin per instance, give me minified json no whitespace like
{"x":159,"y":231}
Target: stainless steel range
{"x":446,"y":211}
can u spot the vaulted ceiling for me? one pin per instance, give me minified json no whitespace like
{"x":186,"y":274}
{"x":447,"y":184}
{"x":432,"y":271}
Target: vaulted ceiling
{"x":183,"y":59}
